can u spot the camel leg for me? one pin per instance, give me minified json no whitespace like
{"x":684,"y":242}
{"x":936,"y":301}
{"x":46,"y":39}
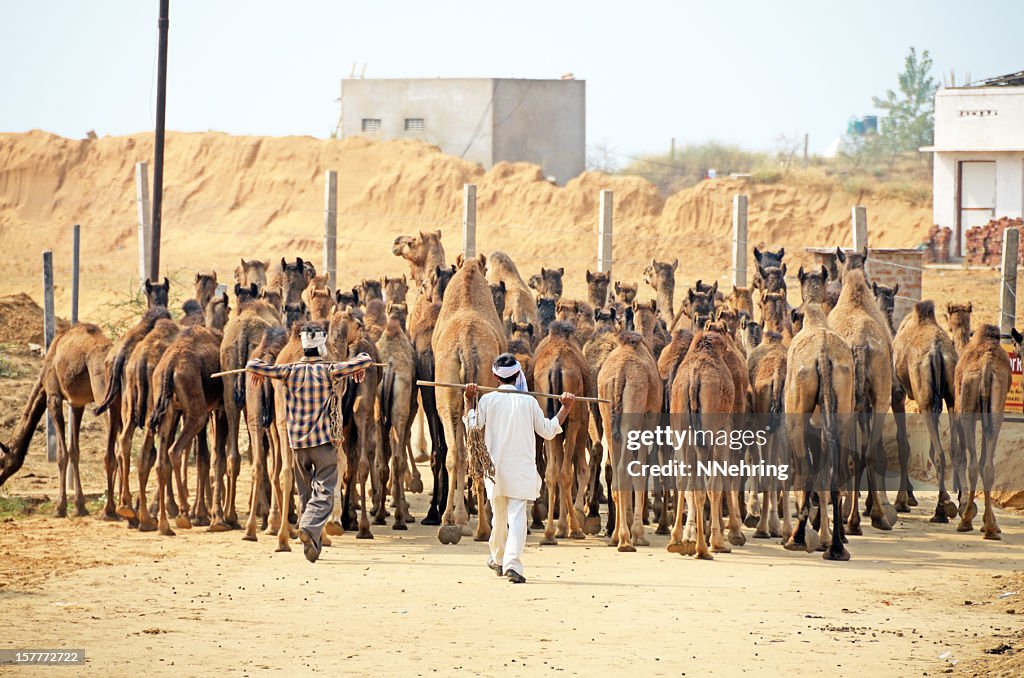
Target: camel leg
{"x":287,"y":482}
{"x":76,"y":426}
{"x":989,"y":436}
{"x":735,"y":526}
{"x":110,"y":467}
{"x":55,"y":408}
{"x":399,"y":445}
{"x":163,"y":473}
{"x":563,"y":466}
{"x":438,"y":460}
{"x":273,"y":454}
{"x":883,"y":513}
{"x":718,"y":544}
{"x":551,"y":473}
{"x":145,"y":460}
{"x":124,"y":448}
{"x":971,"y":508}
{"x":362,"y":475}
{"x":203,"y":498}
{"x":234,"y":467}
{"x":579,"y":463}
{"x":259,"y":462}
{"x":222,"y":513}
{"x":695,"y":508}
{"x":905,"y":496}
{"x":675,"y":542}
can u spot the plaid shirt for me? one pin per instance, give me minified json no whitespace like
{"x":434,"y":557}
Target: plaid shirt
{"x":309,"y":388}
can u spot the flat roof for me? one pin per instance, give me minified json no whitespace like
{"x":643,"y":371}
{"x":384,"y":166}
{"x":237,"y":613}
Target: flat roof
{"x":933,"y":149}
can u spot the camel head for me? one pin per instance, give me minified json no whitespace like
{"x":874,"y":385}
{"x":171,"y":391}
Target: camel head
{"x":551,"y":281}
{"x":321,"y":303}
{"x":545,"y":310}
{"x":309,"y":270}
{"x":273,"y":297}
{"x":958,"y":319}
{"x":369,"y":290}
{"x":851,"y":260}
{"x":521,"y":332}
{"x":797,"y":318}
{"x":157,"y":294}
{"x":206,"y":287}
{"x":217,"y":312}
{"x":193,"y":313}
{"x":719,"y":327}
{"x":246,"y":294}
{"x":625,"y":292}
{"x":604,"y":318}
{"x":346,"y":299}
{"x":480,"y":261}
{"x":498,"y":291}
{"x":438,"y":283}
{"x":773,"y":310}
{"x":597,"y":288}
{"x":767,"y":258}
{"x":252,"y":271}
{"x":561,"y":329}
{"x":742,"y":299}
{"x":395,"y":289}
{"x":398,"y":311}
{"x":813,"y":285}
{"x":296,"y":275}
{"x":659,"y":273}
{"x":1018,"y":341}
{"x":344,"y":328}
{"x":771,"y":278}
{"x":645,"y":316}
{"x":701,"y":305}
{"x":886,"y":298}
{"x":730,"y":317}
{"x":295,"y":314}
{"x":566,"y":309}
{"x":751,"y":333}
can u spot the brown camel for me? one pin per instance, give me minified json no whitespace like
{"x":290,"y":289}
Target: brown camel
{"x":252,"y":272}
{"x":596,"y":350}
{"x":597,"y":288}
{"x":820,"y":385}
{"x":519,"y":301}
{"x":346,"y":299}
{"x":74,"y":371}
{"x":370,"y":289}
{"x":958,"y":319}
{"x":397,"y":404}
{"x":699,"y":307}
{"x":661,"y":275}
{"x":498,"y":296}
{"x":861,"y":323}
{"x":206,"y":287}
{"x":548,"y":282}
{"x":629,"y":378}
{"x":751,"y":334}
{"x":625,"y":295}
{"x":395,"y":289}
{"x":981,"y":382}
{"x":136,"y":406}
{"x":546,"y":308}
{"x":766,"y":369}
{"x":520,"y":344}
{"x":468,"y":337}
{"x":585,"y":323}
{"x":765,"y":259}
{"x":775,"y":316}
{"x":291,"y":279}
{"x":645,"y":320}
{"x":186,"y":391}
{"x":217,"y":313}
{"x":560,"y":367}
{"x":400,"y":312}
{"x":274,"y":298}
{"x":741,"y":299}
{"x":702,"y":393}
{"x":375,"y":318}
{"x":423,"y":251}
{"x":925,"y":363}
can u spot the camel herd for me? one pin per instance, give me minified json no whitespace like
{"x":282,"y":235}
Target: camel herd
{"x":824,"y":374}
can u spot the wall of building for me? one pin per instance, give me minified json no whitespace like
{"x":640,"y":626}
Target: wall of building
{"x":1009,"y":184}
{"x":543,"y":122}
{"x":980,"y":118}
{"x":457,"y":113}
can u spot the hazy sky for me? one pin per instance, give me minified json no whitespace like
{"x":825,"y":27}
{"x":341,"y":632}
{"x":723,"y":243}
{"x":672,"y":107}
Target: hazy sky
{"x":741,"y":72}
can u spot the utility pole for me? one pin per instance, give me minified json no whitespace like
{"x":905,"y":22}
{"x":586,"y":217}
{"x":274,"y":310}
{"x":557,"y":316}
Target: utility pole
{"x":158,"y":151}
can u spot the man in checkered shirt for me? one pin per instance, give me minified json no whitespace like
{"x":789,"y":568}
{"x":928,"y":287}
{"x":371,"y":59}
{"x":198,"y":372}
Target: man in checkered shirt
{"x":309,"y":386}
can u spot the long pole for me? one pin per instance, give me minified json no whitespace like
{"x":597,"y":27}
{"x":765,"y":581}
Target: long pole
{"x":1008,"y":291}
{"x":145,"y":219}
{"x":469,"y":221}
{"x":739,"y":240}
{"x":48,"y":332}
{"x":604,"y":232}
{"x":76,"y":241}
{"x":487,"y":389}
{"x":331,"y":228}
{"x":158,"y":152}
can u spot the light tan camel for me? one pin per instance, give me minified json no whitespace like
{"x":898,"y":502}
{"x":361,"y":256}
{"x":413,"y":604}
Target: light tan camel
{"x":217,"y":313}
{"x":206,"y":287}
{"x":601,"y":344}
{"x":820,"y":379}
{"x":252,"y":272}
{"x":751,"y":334}
{"x":661,"y":275}
{"x":597,"y":288}
{"x":397,"y":406}
{"x":520,"y":344}
{"x":560,"y":367}
{"x":982,"y":380}
{"x":925,"y":362}
{"x":375,"y":317}
{"x":703,"y":395}
{"x":775,"y":316}
{"x":958,"y":319}
{"x":766,"y":368}
{"x":395,"y":289}
{"x":423,"y":251}
{"x":647,"y":321}
{"x":467,"y":339}
{"x":741,"y":299}
{"x":519,"y":301}
{"x":859,"y":321}
{"x":629,"y":378}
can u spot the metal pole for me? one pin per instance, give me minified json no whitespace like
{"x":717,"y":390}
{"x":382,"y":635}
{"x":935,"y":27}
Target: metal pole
{"x":1008,"y":292}
{"x":860,"y":228}
{"x":76,"y":240}
{"x":145,"y":218}
{"x":468,"y":221}
{"x":331,"y":228}
{"x":739,"y":241}
{"x":158,"y":152}
{"x":604,"y":233}
{"x":48,"y":332}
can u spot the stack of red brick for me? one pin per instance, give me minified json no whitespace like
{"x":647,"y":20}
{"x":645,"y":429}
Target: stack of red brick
{"x":985,"y":243}
{"x":937,"y":245}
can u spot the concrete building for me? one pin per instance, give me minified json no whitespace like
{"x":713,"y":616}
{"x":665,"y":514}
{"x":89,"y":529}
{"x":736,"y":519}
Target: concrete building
{"x":979,"y":155}
{"x":485,"y":120}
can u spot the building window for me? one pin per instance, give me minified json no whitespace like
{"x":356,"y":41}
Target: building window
{"x":371,"y":125}
{"x":414,"y":124}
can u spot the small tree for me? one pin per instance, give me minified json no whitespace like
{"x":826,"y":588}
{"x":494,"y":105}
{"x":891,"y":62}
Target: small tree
{"x":910,"y":111}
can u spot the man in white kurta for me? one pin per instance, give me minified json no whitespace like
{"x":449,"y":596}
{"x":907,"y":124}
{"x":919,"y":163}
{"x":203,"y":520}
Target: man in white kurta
{"x":512,"y":421}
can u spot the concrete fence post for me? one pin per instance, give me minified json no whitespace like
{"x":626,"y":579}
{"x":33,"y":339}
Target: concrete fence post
{"x":331,"y":228}
{"x":145,"y":218}
{"x":1008,"y":290}
{"x":859,"y":219}
{"x":469,"y":221}
{"x":604,"y":233}
{"x":49,"y":330}
{"x":739,"y":241}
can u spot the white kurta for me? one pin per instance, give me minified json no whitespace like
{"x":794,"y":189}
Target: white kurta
{"x":512,"y":421}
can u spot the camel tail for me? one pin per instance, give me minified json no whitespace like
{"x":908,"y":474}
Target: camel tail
{"x":828,"y":404}
{"x":618,"y":386}
{"x":141,"y":396}
{"x":985,"y":402}
{"x":776,"y":405}
{"x":266,"y":403}
{"x":939,"y":386}
{"x":242,"y":355}
{"x":554,"y":386}
{"x":113,"y":382}
{"x":387,"y":396}
{"x":12,"y":458}
{"x":696,"y":427}
{"x":860,"y":373}
{"x":163,"y":401}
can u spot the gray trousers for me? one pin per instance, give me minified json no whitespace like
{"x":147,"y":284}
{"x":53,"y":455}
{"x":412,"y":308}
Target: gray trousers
{"x":316,"y":475}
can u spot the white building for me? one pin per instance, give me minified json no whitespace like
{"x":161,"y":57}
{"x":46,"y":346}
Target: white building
{"x":979,"y":155}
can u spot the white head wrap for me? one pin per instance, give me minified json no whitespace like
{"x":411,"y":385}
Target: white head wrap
{"x":506,"y":372}
{"x":314,"y":338}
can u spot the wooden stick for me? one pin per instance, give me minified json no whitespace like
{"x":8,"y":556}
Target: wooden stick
{"x":242,"y":369}
{"x":485,"y":389}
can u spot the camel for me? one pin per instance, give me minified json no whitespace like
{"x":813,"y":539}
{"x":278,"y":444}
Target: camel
{"x":596,"y":350}
{"x":548,"y":282}
{"x":629,"y":378}
{"x":74,"y":371}
{"x":119,"y":353}
{"x":252,"y":272}
{"x":498,"y":291}
{"x":699,"y":307}
{"x":375,"y":318}
{"x":395,"y":289}
{"x":819,"y":404}
{"x":958,"y":320}
{"x":662,"y":277}
{"x":185,"y":391}
{"x":766,"y":370}
{"x":252,"y":300}
{"x":765,"y":259}
{"x":771,"y":279}
{"x":545,"y":314}
{"x":814,"y":288}
{"x":560,"y":367}
{"x":291,"y":279}
{"x":206,"y":287}
{"x":136,"y":406}
{"x":751,"y":334}
{"x":597,"y":288}
{"x":346,"y":299}
{"x":731,"y":318}
{"x":668,"y":363}
{"x":520,"y":344}
{"x":741,"y":299}
{"x":862,"y":324}
{"x":981,"y":382}
{"x":320,"y":302}
{"x":468,"y":337}
{"x":925,"y":362}
{"x":645,"y":320}
{"x":217,"y":313}
{"x":370,"y":289}
{"x":775,"y":316}
{"x":400,"y":312}
{"x":585,"y":323}
{"x":192,"y":314}
{"x":519,"y":301}
{"x":703,"y":393}
{"x":423,"y":251}
{"x":397,"y":404}
{"x":274,"y":298}
{"x":625,"y":295}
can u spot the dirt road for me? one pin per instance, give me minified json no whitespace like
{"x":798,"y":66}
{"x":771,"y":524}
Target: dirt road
{"x":210,"y":604}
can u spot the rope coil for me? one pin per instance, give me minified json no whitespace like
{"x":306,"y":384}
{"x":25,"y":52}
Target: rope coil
{"x":480,"y":463}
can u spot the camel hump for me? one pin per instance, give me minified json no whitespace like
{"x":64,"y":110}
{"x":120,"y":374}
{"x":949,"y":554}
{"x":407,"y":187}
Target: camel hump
{"x":925,"y":310}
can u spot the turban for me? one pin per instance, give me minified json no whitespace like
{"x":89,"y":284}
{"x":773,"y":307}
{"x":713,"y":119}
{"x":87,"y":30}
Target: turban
{"x":504,"y":372}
